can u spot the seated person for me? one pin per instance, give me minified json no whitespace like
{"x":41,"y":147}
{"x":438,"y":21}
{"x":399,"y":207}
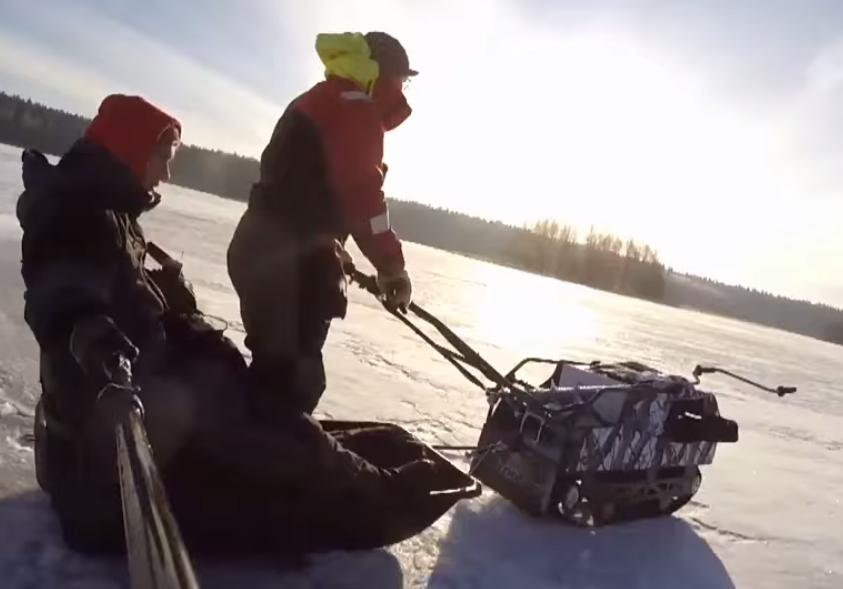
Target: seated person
{"x":90,"y":301}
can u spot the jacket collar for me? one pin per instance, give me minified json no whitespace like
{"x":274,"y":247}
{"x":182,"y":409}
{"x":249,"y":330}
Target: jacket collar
{"x":99,"y":180}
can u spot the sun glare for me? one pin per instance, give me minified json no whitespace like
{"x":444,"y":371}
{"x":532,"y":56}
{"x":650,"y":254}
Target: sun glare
{"x":630,"y":141}
{"x":507,"y":315}
{"x":594,"y":131}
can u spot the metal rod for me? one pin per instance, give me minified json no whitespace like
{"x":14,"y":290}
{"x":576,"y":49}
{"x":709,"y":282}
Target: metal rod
{"x":781,"y":391}
{"x":156,"y":552}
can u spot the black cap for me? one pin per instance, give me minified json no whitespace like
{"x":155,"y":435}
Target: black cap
{"x":390,"y":55}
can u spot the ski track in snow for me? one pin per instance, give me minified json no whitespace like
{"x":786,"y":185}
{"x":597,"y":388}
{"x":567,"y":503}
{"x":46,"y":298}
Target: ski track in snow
{"x":768,"y":514}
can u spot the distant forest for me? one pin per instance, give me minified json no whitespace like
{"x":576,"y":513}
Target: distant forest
{"x":596,"y":259}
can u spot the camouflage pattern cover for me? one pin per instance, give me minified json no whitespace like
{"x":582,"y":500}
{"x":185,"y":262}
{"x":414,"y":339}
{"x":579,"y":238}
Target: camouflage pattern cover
{"x":623,"y":427}
{"x":592,"y":420}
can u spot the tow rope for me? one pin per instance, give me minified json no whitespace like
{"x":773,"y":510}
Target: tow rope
{"x":461,"y":356}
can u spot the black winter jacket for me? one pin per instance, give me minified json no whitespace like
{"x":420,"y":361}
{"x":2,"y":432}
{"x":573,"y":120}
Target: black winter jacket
{"x":83,"y":250}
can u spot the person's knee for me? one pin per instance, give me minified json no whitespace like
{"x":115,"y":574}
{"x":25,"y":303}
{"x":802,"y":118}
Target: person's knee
{"x":287,"y":383}
{"x":310,"y":382}
{"x":172,"y":411}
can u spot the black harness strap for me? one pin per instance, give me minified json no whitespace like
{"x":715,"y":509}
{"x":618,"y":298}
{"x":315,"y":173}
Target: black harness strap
{"x":464,"y":354}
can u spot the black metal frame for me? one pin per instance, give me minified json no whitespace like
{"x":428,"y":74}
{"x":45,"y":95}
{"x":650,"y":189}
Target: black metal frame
{"x":157,"y":556}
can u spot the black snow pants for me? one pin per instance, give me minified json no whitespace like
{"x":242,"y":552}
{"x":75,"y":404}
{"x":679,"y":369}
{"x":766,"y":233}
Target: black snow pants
{"x":290,"y":288}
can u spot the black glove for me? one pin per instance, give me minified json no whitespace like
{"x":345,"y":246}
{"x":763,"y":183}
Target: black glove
{"x":36,"y":169}
{"x":99,"y":347}
{"x":397,"y":289}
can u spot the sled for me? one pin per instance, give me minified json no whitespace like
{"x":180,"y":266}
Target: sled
{"x":600,"y":443}
{"x":594,"y":444}
{"x":256,"y":519}
{"x":225,"y":516}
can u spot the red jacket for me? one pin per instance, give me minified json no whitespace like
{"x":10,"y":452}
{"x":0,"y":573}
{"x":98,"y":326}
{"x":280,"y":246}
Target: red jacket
{"x":323,"y":171}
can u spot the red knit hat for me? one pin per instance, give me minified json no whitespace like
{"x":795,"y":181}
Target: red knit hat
{"x":130,"y":128}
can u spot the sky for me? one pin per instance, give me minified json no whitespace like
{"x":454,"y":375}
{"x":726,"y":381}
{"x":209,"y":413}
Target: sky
{"x":712,"y":130}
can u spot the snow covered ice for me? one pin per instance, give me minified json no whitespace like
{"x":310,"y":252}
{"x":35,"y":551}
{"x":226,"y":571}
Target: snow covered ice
{"x":769,"y":514}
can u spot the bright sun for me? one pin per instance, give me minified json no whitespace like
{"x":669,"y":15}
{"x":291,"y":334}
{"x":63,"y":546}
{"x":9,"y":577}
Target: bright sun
{"x":591,"y":131}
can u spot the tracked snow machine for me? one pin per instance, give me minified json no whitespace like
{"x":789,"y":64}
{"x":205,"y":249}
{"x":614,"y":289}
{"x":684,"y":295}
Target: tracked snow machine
{"x":595,"y":443}
{"x":598,"y":444}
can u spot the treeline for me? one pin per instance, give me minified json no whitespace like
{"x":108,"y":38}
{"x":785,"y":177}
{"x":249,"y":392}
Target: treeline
{"x":214,"y":171}
{"x":602,"y":260}
{"x":28,"y":124}
{"x":456,"y":232}
{"x":749,"y":304}
{"x":599,"y":260}
{"x":834,"y":332}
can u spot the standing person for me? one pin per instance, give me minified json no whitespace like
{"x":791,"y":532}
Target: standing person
{"x":321,"y":180}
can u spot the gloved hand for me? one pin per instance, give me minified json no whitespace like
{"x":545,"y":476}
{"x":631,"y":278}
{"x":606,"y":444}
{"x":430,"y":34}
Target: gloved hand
{"x":36,"y":168}
{"x":397,"y":289}
{"x":98,"y":345}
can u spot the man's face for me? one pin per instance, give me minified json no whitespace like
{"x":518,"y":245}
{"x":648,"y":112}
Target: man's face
{"x":395,"y":84}
{"x":158,"y":167}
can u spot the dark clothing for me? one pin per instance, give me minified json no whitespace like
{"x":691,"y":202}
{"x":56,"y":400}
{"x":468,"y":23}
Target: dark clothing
{"x":83,"y":249}
{"x":288,"y":296}
{"x":321,"y":178}
{"x":250,"y":513}
{"x":390,"y":55}
{"x":322,"y":172}
{"x":83,"y":253}
{"x":83,"y":256}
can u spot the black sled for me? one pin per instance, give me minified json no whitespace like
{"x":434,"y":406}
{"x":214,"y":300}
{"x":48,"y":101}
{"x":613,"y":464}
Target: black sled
{"x":227,"y":515}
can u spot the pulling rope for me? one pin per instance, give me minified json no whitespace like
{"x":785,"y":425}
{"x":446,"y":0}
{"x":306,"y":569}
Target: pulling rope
{"x":464,"y":354}
{"x":467,"y":356}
